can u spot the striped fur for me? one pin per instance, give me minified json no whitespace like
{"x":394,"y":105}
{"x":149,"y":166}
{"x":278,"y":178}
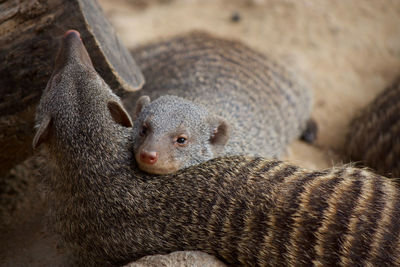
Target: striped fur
{"x":374,"y":135}
{"x":246,"y":211}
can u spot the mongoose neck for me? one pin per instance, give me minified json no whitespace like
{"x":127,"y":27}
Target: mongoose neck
{"x":84,"y":154}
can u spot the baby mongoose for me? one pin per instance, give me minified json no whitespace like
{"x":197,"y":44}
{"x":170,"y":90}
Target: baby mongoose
{"x":242,"y":103}
{"x":374,"y":135}
{"x":244,"y":210}
{"x":172,"y":133}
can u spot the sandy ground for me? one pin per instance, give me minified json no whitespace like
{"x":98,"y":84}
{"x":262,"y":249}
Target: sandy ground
{"x":347,"y":52}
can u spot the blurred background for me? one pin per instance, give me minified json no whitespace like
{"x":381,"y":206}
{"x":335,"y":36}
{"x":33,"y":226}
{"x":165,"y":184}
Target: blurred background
{"x":346,"y":51}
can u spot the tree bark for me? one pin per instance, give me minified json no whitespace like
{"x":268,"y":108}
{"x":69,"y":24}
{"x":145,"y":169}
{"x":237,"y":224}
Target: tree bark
{"x":30,"y":31}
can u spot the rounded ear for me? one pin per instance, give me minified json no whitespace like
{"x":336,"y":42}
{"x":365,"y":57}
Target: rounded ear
{"x":42,"y":133}
{"x":140,"y":104}
{"x":220,"y":130}
{"x":119,"y":114}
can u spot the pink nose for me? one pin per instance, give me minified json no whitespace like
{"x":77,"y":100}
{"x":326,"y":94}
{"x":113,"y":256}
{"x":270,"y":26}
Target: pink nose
{"x":73,"y":32}
{"x":148,"y":157}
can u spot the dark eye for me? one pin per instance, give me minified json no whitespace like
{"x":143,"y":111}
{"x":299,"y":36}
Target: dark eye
{"x":143,"y":131}
{"x":181,"y":140}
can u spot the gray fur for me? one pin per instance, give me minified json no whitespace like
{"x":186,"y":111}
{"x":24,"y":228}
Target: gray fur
{"x":264,"y":104}
{"x":168,"y":118}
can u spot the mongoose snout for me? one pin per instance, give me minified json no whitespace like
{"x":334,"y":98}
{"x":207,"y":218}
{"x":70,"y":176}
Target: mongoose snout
{"x":148,"y":157}
{"x":72,"y":48}
{"x":73,"y":32}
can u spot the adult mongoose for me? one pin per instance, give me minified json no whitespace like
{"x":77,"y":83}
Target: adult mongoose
{"x":244,"y":210}
{"x":374,"y":134}
{"x":265,"y":105}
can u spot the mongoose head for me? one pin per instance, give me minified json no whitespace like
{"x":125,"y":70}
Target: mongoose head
{"x":172,"y":133}
{"x":75,"y":96}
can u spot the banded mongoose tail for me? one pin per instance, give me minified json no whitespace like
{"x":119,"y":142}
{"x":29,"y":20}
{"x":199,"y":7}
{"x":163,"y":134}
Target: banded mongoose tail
{"x":374,"y":135}
{"x":244,"y":210}
{"x":266,"y":105}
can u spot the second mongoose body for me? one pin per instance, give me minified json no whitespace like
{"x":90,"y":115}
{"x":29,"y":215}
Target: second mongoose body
{"x":263,"y":104}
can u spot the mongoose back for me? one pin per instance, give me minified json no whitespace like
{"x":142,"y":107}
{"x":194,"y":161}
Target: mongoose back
{"x":244,"y":210}
{"x":264,"y":104}
{"x":374,"y":135}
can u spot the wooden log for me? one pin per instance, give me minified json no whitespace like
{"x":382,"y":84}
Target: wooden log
{"x":30,"y":32}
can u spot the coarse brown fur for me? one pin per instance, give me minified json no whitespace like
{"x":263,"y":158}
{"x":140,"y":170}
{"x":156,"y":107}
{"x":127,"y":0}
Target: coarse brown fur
{"x":244,"y":210}
{"x":374,"y":134}
{"x":265,"y":104}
